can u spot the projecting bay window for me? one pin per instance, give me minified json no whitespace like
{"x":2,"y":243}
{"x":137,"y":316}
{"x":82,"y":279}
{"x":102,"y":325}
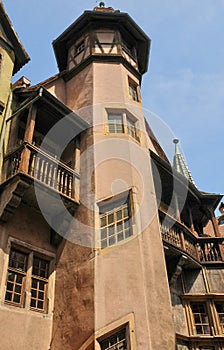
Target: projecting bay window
{"x":122,"y":123}
{"x":115,"y":222}
{"x":27,"y":279}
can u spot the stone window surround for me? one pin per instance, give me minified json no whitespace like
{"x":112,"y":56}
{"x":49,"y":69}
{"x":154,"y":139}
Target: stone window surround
{"x":51,"y":280}
{"x":126,"y":116}
{"x":131,"y":192}
{"x":133,"y":90}
{"x":120,"y":225}
{"x":126,"y":321}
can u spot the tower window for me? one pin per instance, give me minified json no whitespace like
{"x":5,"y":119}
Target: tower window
{"x":131,"y":129}
{"x":115,"y":222}
{"x":116,"y":341}
{"x":201,"y":321}
{"x":133,"y":90}
{"x":122,"y":123}
{"x":115,"y":122}
{"x":27,"y":272}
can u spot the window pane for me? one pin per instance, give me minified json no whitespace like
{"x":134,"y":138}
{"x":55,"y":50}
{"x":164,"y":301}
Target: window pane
{"x":40,"y":305}
{"x":111,"y":240}
{"x":103,"y":221}
{"x":14,"y":287}
{"x":40,"y":267}
{"x":103,"y":233}
{"x":120,"y":236}
{"x":17,"y":260}
{"x":117,"y":341}
{"x":110,"y":218}
{"x":18,"y":289}
{"x":16,"y":298}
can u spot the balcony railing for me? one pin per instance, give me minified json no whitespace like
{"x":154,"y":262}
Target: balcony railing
{"x":43,"y":167}
{"x":203,"y":249}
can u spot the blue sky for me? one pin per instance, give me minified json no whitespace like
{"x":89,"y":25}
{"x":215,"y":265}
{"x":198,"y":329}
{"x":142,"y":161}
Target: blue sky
{"x":185,"y":82}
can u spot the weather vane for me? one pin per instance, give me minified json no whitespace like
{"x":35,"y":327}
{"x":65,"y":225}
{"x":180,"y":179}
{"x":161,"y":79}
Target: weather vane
{"x":101,"y":3}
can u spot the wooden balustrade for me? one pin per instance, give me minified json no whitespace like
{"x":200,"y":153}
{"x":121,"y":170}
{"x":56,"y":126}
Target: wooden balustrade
{"x":44,"y":168}
{"x":210,"y":249}
{"x":205,"y":250}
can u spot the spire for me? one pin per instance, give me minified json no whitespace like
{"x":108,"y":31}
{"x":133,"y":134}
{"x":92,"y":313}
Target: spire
{"x":180,"y":164}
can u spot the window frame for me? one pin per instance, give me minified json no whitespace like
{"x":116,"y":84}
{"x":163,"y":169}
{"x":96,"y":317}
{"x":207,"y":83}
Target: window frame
{"x":210,"y":301}
{"x":133,"y":90}
{"x":111,"y":207}
{"x":201,"y":324}
{"x":129,"y":124}
{"x":128,"y":322}
{"x":17,"y":272}
{"x":116,"y":333}
{"x":31,"y":252}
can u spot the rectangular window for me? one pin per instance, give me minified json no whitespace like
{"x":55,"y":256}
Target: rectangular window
{"x":131,"y":128}
{"x":122,"y":123}
{"x":115,"y":122}
{"x":201,"y":320}
{"x":115,"y":223}
{"x":116,"y":341}
{"x":18,"y":276}
{"x":133,"y":90}
{"x":39,"y":283}
{"x":220,"y":311}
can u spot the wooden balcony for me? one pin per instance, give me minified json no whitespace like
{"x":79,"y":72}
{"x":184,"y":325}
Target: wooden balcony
{"x":42,"y":167}
{"x":203,"y":249}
